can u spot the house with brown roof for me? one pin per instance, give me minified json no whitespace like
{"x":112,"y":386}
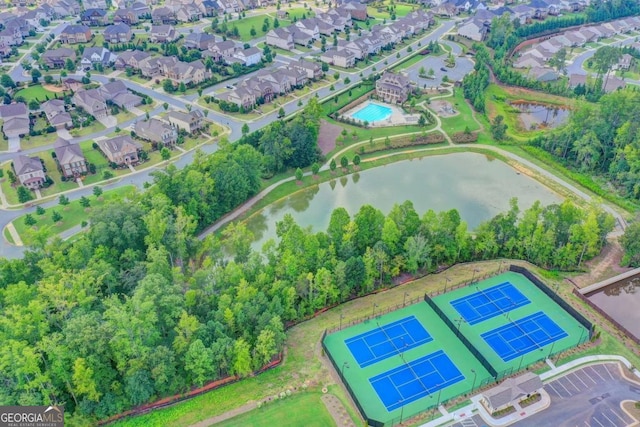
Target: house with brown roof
{"x":73,"y":34}
{"x":393,"y":88}
{"x":163,"y":33}
{"x":94,"y":17}
{"x":189,"y":122}
{"x":117,"y":93}
{"x":187,"y":72}
{"x":200,"y":41}
{"x":29,"y":171}
{"x":280,"y":37}
{"x":163,"y":15}
{"x":342,"y":58}
{"x":354,"y":9}
{"x":70,"y":159}
{"x":156,"y":131}
{"x":312,"y":69}
{"x":15,"y":119}
{"x":131,"y":59}
{"x":125,"y":16}
{"x":57,"y":58}
{"x":121,"y":150}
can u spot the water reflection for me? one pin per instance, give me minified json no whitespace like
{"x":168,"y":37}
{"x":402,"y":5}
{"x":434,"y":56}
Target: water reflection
{"x":535,"y":115}
{"x":621,"y":302}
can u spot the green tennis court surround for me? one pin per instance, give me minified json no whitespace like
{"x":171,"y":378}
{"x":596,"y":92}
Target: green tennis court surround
{"x":408,"y":361}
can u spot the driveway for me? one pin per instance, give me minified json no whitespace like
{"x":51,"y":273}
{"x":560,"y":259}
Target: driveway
{"x":64,"y":134}
{"x":14,"y":144}
{"x":588,"y":397}
{"x":108,"y":121}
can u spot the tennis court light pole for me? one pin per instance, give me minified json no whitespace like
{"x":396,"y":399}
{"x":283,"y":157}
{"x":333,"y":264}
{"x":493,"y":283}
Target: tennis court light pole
{"x":404,"y":299}
{"x":341,"y":317}
{"x":401,"y":411}
{"x":475,"y":270}
{"x":521,"y":359}
{"x":345,"y":364}
{"x":373,"y":312}
{"x":446,"y":280}
{"x":473,"y":371}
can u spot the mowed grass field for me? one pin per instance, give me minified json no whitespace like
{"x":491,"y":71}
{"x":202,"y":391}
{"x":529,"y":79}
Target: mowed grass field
{"x":256,"y":22}
{"x":36,"y":92}
{"x":300,"y":409}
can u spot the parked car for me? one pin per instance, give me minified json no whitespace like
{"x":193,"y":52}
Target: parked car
{"x":230,"y":87}
{"x":443,"y":69}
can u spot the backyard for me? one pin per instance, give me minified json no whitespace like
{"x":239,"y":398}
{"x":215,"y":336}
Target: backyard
{"x":36,"y":92}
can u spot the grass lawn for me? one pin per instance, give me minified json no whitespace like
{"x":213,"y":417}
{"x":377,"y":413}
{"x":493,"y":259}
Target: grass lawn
{"x":36,"y":92}
{"x":402,"y":9}
{"x":38,"y":141}
{"x":300,"y":409}
{"x":498,"y":99}
{"x":94,"y":127}
{"x":461,"y":121}
{"x":72,"y":214}
{"x":9,"y":191}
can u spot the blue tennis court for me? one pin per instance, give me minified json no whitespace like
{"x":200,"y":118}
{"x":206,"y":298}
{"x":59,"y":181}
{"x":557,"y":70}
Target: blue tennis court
{"x":523,"y":336}
{"x":417,"y":379}
{"x":489,"y":303}
{"x":386,"y":340}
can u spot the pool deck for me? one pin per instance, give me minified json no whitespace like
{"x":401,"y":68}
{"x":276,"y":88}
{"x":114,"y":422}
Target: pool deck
{"x":397,"y":117}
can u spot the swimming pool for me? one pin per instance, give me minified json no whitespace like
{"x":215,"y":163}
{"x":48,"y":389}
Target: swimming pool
{"x":372,"y":113}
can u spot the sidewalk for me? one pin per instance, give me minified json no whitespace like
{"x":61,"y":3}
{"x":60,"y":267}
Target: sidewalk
{"x":521,"y":413}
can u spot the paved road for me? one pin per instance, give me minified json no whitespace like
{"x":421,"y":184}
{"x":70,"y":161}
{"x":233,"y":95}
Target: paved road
{"x":588,"y":397}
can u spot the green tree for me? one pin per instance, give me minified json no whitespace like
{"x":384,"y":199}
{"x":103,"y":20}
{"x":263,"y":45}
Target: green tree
{"x":315,"y":168}
{"x":198,"y":364}
{"x":56,"y":217}
{"x":69,"y":65}
{"x":40,"y":210}
{"x":168,"y":86}
{"x":332,"y":165}
{"x":245,"y":129}
{"x":253,"y":32}
{"x":97,"y":191}
{"x":35,"y":75}
{"x":281,"y":112}
{"x":24,"y":195}
{"x":182,"y":87}
{"x":498,"y":128}
{"x":63,"y":200}
{"x":6,"y":81}
{"x":344,"y":162}
{"x":165,"y":105}
{"x":241,"y":358}
{"x":165,"y":153}
{"x":299,"y":174}
{"x":356,"y":160}
{"x":630,"y":242}
{"x":29,"y":220}
{"x":85,"y":202}
{"x":34,"y":105}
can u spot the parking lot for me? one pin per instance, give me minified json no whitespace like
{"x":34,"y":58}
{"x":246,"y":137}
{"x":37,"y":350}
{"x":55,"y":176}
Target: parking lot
{"x":588,"y":397}
{"x":475,"y":421}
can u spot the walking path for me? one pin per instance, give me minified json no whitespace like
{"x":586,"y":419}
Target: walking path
{"x":476,"y":407}
{"x":14,"y":234}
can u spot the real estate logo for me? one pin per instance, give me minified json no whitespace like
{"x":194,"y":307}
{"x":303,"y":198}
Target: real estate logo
{"x":31,"y":416}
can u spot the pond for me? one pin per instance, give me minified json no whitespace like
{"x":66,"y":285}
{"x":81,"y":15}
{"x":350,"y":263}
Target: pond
{"x":478,"y":186}
{"x":536,"y":116}
{"x":621,"y":302}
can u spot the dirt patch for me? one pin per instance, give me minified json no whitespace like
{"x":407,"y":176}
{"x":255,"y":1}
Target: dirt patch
{"x":328,"y":135}
{"x":443,"y":108}
{"x":337,"y":410}
{"x":53,"y":88}
{"x":604,"y":266}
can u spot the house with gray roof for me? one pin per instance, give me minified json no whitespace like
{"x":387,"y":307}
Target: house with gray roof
{"x":511,"y":390}
{"x":156,"y":131}
{"x":29,"y":171}
{"x":121,"y":150}
{"x":57,"y":114}
{"x":70,"y":159}
{"x":57,"y":58}
{"x":15,"y":119}
{"x":189,"y":122}
{"x":117,"y":93}
{"x":76,"y":34}
{"x":92,"y":102}
{"x":118,"y":33}
{"x":200,"y":41}
{"x":280,"y":37}
{"x":97,"y":55}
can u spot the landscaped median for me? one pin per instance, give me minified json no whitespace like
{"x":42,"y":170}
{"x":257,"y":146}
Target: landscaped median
{"x":55,"y":220}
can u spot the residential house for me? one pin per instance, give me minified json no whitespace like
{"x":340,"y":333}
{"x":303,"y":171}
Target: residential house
{"x":355,"y":10}
{"x":117,"y":93}
{"x":543,"y":74}
{"x":510,"y":391}
{"x":210,"y":8}
{"x":125,"y":16}
{"x":156,"y":131}
{"x":163,"y":33}
{"x":97,"y":55}
{"x":624,"y":63}
{"x":187,"y":72}
{"x":310,"y":27}
{"x":231,"y":6}
{"x":11,"y":37}
{"x":341,"y":58}
{"x":393,"y":88}
{"x":71,"y":162}
{"x":280,"y":37}
{"x":64,"y":8}
{"x":199,"y":41}
{"x":92,"y":102}
{"x":16,"y":119}
{"x":163,"y":16}
{"x":94,"y":17}
{"x":118,"y":33}
{"x":473,"y":29}
{"x":30,"y":171}
{"x":189,"y":122}
{"x":248,"y":57}
{"x":446,"y":10}
{"x":130,"y":59}
{"x":57,"y":58}
{"x":94,"y":4}
{"x":613,"y":83}
{"x":242,"y":97}
{"x":312,"y":69}
{"x":57,"y":114}
{"x":189,"y":13}
{"x":75,"y":34}
{"x":121,"y":150}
